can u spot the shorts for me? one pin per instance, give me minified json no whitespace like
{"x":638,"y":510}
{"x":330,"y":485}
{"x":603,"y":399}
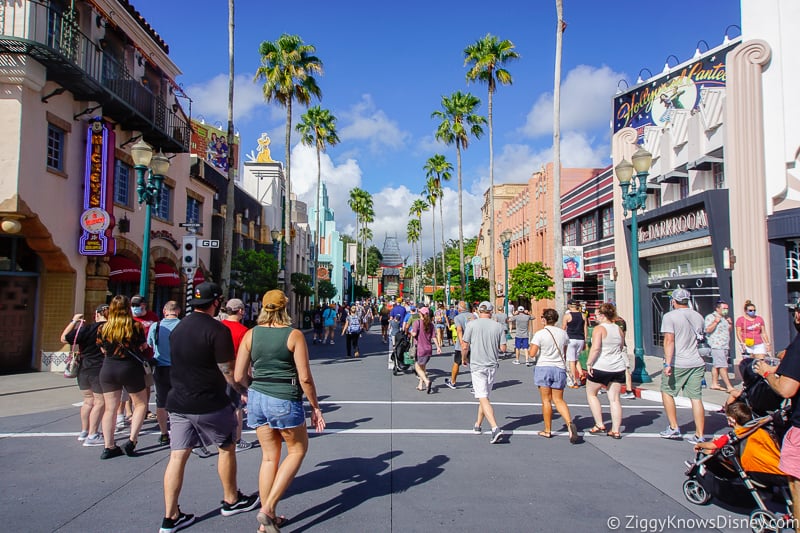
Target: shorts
{"x":191,"y":431}
{"x":482,"y":380}
{"x":439,"y":326}
{"x":521,"y":343}
{"x":605,"y":378}
{"x":423,"y":360}
{"x":277,"y":413}
{"x":790,"y":453}
{"x":574,"y":349}
{"x":89,"y":379}
{"x":552,"y":377}
{"x":163,"y":385}
{"x":687,"y":379}
{"x":119,"y":373}
{"x":457,"y":357}
{"x":757,"y":349}
{"x":719,"y":357}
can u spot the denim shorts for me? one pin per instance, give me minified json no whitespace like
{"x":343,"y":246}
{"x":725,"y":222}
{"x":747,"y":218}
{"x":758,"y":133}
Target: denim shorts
{"x":552,"y":377}
{"x":275,"y":412}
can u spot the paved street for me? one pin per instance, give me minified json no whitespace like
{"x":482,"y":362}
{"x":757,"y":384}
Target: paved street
{"x":391,"y":459}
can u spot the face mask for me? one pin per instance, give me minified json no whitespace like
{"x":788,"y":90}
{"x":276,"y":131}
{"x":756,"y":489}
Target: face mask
{"x":137,"y":311}
{"x":724,"y":312}
{"x":751,"y":313}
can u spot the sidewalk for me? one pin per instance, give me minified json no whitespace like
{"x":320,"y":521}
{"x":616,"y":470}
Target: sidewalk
{"x":712,"y":399}
{"x":36,"y":392}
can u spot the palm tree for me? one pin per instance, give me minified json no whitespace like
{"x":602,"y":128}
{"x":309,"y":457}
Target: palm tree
{"x":431,"y":193}
{"x":558,"y":271}
{"x":486,"y":58}
{"x":368,"y":217}
{"x":418,"y":207}
{"x":440,"y":169}
{"x":287,"y":68}
{"x":318,"y":127}
{"x":458,"y":122}
{"x":413,"y":233}
{"x":356,"y":204}
{"x":360,"y":203}
{"x":227,"y":246}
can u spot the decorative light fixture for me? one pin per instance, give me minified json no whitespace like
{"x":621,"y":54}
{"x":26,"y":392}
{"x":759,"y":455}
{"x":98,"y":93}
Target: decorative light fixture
{"x":11,"y":224}
{"x":697,"y":52}
{"x":666,"y":63}
{"x":124,"y":224}
{"x":727,"y":39}
{"x":619,"y":91}
{"x":639,"y":78}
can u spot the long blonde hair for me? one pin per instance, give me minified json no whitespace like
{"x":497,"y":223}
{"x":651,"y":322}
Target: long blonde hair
{"x":120,"y":325}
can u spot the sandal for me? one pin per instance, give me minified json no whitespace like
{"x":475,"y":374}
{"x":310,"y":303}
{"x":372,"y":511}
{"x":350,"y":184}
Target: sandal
{"x":271,"y":524}
{"x":597,"y":430}
{"x":614,"y":435}
{"x":545,"y":434}
{"x":573,"y":433}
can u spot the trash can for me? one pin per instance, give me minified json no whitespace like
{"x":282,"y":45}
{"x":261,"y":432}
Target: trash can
{"x":307,"y":319}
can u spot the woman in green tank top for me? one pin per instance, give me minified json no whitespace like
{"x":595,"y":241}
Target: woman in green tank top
{"x":279,"y":377}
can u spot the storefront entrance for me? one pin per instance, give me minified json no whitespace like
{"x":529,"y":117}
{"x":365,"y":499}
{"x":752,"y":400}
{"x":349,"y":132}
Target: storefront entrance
{"x":705,"y":294}
{"x":17,"y":317}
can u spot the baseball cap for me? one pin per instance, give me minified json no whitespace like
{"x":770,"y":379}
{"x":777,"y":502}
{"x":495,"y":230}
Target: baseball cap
{"x":138,"y":300}
{"x":205,"y":293}
{"x":485,"y":306}
{"x":681,"y":296}
{"x":234,"y":304}
{"x":520,"y":308}
{"x":274,"y":300}
{"x":102,"y":308}
{"x":793,"y":306}
{"x":413,"y":307}
{"x":572,"y":301}
{"x":424,"y":311}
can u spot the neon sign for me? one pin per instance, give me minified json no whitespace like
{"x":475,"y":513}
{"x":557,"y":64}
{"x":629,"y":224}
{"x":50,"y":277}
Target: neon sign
{"x":97,"y":217}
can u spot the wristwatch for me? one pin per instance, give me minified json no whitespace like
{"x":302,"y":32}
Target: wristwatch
{"x":667,"y":365}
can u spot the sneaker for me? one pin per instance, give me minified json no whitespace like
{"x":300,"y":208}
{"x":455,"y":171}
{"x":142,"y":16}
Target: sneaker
{"x":94,"y":440}
{"x":202,"y":452}
{"x":496,"y":434}
{"x":602,"y":391}
{"x":243,"y":445}
{"x":163,"y":440}
{"x":476,"y":430}
{"x":333,"y":342}
{"x":243,"y":504}
{"x":110,"y":453}
{"x":168,"y":525}
{"x":120,"y":422}
{"x":82,"y":436}
{"x":472,"y":390}
{"x":130,"y":448}
{"x":528,"y":363}
{"x":670,"y":433}
{"x":450,"y":384}
{"x":628,"y":396}
{"x":695,"y":439}
{"x":515,"y":362}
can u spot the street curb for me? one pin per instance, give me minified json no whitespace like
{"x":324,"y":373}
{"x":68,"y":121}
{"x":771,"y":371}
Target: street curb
{"x":680,"y":401}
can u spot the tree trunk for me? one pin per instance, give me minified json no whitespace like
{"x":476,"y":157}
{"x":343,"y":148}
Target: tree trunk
{"x":227,"y":249}
{"x":558,"y":271}
{"x":441,"y":219}
{"x":318,"y":232}
{"x":460,"y":224}
{"x":287,"y":215}
{"x":433,"y":235}
{"x":492,"y":237}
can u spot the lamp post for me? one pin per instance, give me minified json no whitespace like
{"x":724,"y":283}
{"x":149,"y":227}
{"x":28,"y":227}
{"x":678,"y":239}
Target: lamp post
{"x":505,"y":240}
{"x":276,"y":250}
{"x":634,"y":194}
{"x":149,"y":192}
{"x":449,"y":273}
{"x":466,"y":277}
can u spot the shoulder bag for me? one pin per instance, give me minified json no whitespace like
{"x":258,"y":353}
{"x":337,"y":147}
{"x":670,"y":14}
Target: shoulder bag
{"x":570,"y":377}
{"x":148,"y":369}
{"x":73,"y":362}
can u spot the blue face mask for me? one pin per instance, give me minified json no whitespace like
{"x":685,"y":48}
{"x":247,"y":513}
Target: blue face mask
{"x":137,"y":311}
{"x":751,"y":313}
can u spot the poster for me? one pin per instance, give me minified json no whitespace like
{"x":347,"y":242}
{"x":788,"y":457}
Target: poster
{"x":573,"y":263}
{"x":211,"y":144}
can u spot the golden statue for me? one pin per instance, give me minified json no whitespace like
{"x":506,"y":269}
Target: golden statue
{"x":263,"y":150}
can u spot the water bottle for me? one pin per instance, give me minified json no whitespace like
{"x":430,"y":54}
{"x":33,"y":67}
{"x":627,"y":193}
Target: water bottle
{"x":703,"y":383}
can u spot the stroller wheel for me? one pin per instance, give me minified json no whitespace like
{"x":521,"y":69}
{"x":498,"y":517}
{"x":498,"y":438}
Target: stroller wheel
{"x":695,"y":492}
{"x":761,"y":520}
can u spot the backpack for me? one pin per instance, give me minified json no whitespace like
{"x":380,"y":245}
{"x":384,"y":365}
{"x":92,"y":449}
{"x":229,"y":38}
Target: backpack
{"x":353,"y":324}
{"x":317,"y":318}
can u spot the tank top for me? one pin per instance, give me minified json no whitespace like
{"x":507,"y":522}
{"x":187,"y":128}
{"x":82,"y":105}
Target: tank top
{"x":575,"y":326}
{"x":612,"y":358}
{"x":272,"y":359}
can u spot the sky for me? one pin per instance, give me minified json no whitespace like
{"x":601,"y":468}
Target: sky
{"x":388,"y":64}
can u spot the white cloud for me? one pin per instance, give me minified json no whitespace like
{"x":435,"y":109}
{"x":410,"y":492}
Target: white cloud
{"x":586,"y":95}
{"x":367,"y":123}
{"x":210,"y":99}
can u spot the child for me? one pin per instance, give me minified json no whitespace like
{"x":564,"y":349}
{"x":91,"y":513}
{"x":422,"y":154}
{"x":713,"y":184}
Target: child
{"x":758,"y":453}
{"x":453,"y":333}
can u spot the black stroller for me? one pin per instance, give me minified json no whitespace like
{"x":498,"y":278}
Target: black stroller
{"x":720,"y":475}
{"x":402,"y":343}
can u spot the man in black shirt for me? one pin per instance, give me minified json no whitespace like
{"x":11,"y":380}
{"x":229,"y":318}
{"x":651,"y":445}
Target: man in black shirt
{"x":785,"y":380}
{"x":199,"y":408}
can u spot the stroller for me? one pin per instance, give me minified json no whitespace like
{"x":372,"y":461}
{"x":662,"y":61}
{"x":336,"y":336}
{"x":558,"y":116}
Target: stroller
{"x":720,"y":475}
{"x":402,"y":343}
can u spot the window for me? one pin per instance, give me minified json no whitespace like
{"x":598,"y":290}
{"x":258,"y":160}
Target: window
{"x":588,"y":229}
{"x":194,"y":209}
{"x":608,"y":221}
{"x":55,"y":148}
{"x":122,"y":183}
{"x":683,"y":185}
{"x":718,"y":171}
{"x":164,"y":210}
{"x":571,"y":233}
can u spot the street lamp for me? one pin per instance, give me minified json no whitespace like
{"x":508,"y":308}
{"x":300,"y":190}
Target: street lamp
{"x":149,"y":193}
{"x":449,"y":273}
{"x":634,"y":194}
{"x":276,"y":251}
{"x":505,"y":240}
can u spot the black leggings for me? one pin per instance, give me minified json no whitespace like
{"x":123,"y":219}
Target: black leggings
{"x":352,"y":340}
{"x":118,"y":373}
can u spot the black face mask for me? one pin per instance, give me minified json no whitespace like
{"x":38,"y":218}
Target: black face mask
{"x":797,"y":321}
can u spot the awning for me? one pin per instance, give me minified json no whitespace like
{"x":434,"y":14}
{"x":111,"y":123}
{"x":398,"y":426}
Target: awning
{"x":674,"y":176}
{"x":166,"y":276}
{"x":199,"y":277}
{"x":704,"y":163}
{"x":123,"y":270}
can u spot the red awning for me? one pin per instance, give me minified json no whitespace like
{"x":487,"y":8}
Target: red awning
{"x":166,"y":276}
{"x":199,"y":277}
{"x":123,"y":270}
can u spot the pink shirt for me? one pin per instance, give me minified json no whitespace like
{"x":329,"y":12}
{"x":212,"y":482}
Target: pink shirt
{"x":751,"y":329}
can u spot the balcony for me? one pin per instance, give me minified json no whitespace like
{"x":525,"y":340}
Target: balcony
{"x":79,"y":65}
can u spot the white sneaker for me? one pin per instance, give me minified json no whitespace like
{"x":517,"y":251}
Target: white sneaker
{"x":94,"y":440}
{"x":628,"y":396}
{"x":82,"y":436}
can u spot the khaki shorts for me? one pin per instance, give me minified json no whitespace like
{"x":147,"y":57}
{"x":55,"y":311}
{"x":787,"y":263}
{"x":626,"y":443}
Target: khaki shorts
{"x":688,"y":380}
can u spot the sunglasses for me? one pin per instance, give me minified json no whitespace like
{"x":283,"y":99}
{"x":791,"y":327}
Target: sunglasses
{"x":752,"y":309}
